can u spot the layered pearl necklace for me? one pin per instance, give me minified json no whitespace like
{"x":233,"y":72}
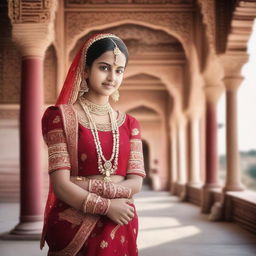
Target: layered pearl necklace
{"x":106,"y":168}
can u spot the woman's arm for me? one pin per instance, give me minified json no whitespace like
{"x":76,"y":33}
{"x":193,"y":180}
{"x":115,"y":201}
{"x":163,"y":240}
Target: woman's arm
{"x":134,"y":182}
{"x":119,"y":210}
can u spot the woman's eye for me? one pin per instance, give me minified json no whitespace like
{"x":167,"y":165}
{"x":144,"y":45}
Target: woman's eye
{"x":120,"y":71}
{"x":104,"y":68}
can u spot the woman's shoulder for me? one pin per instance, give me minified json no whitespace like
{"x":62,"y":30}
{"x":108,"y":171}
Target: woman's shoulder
{"x":52,"y":118}
{"x":131,"y":119}
{"x":51,"y":112}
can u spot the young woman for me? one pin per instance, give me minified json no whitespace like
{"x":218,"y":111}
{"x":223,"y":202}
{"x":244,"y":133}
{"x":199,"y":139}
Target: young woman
{"x":95,"y":158}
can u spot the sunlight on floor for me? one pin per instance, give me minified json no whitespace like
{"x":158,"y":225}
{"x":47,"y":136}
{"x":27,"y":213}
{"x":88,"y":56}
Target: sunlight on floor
{"x":164,"y":230}
{"x":157,"y":230}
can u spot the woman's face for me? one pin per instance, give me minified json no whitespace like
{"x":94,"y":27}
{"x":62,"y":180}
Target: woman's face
{"x":106,"y":75}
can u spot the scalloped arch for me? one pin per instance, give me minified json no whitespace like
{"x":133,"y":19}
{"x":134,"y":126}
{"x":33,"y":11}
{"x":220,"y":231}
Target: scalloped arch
{"x":168,"y":31}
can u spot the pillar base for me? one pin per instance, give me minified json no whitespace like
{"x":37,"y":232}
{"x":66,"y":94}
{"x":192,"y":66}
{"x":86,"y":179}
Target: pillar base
{"x":238,"y":187}
{"x":207,"y":197}
{"x":24,"y":231}
{"x":181,"y":191}
{"x":195,"y":184}
{"x":217,"y":211}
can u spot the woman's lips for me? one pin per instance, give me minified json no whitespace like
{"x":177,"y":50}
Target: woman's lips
{"x":108,"y":85}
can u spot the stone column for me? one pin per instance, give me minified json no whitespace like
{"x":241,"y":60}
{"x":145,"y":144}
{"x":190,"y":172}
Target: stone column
{"x":194,"y":178}
{"x":233,"y":179}
{"x":174,"y":167}
{"x":32,"y":40}
{"x":182,"y":158}
{"x":212,"y":175}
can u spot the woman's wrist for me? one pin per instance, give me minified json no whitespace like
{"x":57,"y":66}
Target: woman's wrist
{"x":108,"y":189}
{"x":95,"y":204}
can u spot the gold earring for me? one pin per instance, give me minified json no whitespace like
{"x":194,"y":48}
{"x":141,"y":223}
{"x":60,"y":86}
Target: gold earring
{"x":115,"y":95}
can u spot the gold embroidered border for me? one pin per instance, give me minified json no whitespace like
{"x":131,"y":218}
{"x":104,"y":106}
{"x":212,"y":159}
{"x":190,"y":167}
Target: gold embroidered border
{"x":136,"y":161}
{"x":102,"y":127}
{"x":57,"y":150}
{"x":70,"y":123}
{"x":55,"y":136}
{"x":88,"y":224}
{"x":72,"y":215}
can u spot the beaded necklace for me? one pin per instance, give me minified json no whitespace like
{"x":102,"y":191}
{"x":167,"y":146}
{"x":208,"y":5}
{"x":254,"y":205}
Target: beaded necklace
{"x":106,"y":168}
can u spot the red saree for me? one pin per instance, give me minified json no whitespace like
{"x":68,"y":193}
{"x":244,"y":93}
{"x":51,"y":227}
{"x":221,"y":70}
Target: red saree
{"x":68,"y":231}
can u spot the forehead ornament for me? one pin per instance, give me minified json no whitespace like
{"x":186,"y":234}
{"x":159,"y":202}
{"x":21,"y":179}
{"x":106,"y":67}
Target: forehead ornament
{"x":116,"y":51}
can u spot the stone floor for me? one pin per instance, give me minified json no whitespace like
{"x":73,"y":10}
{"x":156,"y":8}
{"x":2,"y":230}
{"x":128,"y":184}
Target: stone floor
{"x":167,"y":227}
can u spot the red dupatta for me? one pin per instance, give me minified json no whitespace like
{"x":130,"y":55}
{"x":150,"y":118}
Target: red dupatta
{"x":67,"y":97}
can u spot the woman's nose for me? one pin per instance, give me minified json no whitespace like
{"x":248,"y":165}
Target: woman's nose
{"x":111,"y":75}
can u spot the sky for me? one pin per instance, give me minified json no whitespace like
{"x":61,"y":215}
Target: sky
{"x":246,"y":107}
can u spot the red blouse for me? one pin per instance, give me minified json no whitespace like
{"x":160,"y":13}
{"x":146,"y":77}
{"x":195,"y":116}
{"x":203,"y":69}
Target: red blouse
{"x":130,"y":158}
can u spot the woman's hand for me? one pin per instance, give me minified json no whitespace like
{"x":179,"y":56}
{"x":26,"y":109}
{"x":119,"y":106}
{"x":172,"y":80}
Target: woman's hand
{"x":120,"y":211}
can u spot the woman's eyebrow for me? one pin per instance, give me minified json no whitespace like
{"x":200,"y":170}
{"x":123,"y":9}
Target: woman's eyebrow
{"x":108,"y":64}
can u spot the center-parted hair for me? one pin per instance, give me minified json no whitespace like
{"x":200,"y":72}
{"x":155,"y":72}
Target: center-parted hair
{"x":102,"y":46}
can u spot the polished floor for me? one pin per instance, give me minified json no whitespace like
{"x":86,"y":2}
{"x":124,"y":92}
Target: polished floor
{"x":167,"y":227}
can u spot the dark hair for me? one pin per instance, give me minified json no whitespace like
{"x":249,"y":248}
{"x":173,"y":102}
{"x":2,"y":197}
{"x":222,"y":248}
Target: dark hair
{"x":103,"y":45}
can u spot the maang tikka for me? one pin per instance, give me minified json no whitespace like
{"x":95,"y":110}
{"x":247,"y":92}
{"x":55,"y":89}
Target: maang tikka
{"x":115,"y":96}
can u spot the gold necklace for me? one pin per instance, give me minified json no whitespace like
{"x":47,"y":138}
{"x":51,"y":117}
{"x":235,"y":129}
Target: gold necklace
{"x":99,"y":110}
{"x":105,"y":166}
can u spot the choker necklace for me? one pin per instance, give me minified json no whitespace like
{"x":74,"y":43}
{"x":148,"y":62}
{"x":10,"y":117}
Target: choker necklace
{"x":99,"y":110}
{"x":106,"y":167}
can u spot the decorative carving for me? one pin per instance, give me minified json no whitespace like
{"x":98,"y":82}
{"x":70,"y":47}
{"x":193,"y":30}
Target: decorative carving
{"x":31,"y":11}
{"x":140,"y":40}
{"x":71,"y":3}
{"x":180,"y":23}
{"x":208,"y":13}
{"x":233,"y":63}
{"x":32,"y":24}
{"x":10,"y":72}
{"x":50,"y":75}
{"x":223,"y":22}
{"x":10,"y":67}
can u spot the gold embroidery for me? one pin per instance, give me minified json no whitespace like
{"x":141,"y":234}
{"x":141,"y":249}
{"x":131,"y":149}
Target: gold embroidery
{"x":57,"y":150}
{"x":83,"y":157}
{"x":56,"y":120}
{"x":113,"y":232}
{"x":102,"y":127}
{"x":103,"y":244}
{"x":135,"y":132}
{"x":88,"y":224}
{"x":136,"y":161}
{"x":70,"y":123}
{"x":122,"y":240}
{"x":71,"y":215}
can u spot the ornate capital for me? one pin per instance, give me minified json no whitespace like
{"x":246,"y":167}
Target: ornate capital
{"x":32,"y":39}
{"x":232,"y":83}
{"x":32,"y":25}
{"x":32,"y":11}
{"x":213,"y":93}
{"x":233,"y":62}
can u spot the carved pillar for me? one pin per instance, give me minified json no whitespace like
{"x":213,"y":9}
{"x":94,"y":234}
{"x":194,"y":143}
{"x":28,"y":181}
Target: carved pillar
{"x":194,"y":177}
{"x":174,"y":152}
{"x":32,"y":40}
{"x":233,"y":180}
{"x":182,"y":158}
{"x":212,"y":175}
